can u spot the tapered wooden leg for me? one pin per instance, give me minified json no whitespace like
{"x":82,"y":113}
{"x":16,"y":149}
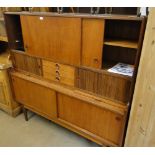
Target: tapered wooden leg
{"x":25,"y":114}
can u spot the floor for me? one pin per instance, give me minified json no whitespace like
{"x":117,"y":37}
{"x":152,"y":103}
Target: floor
{"x":38,"y":131}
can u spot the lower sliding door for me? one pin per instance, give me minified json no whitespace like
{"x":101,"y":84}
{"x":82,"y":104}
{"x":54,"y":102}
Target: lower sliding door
{"x":94,"y":120}
{"x":34,"y":96}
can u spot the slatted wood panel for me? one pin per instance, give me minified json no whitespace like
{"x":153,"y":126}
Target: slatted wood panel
{"x":26,"y":63}
{"x":113,"y":87}
{"x":92,"y":42}
{"x":58,"y":72}
{"x":55,"y":38}
{"x":100,"y":122}
{"x":40,"y":98}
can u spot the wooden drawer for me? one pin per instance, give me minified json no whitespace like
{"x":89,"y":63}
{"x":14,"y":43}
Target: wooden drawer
{"x":58,"y":72}
{"x":26,"y":63}
{"x":107,"y":85}
{"x":35,"y":96}
{"x":102,"y":123}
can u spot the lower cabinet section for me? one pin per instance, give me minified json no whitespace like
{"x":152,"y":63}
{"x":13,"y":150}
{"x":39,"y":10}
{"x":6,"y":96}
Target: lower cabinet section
{"x":99,"y":121}
{"x":35,"y":96}
{"x":91,"y":120}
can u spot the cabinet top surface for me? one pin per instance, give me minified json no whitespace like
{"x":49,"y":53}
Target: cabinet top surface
{"x":80,"y":15}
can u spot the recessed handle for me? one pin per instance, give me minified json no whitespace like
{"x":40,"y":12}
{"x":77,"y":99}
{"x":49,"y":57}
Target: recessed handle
{"x":26,"y":47}
{"x":118,"y":118}
{"x":96,"y":60}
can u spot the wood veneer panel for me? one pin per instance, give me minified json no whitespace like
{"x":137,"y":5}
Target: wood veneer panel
{"x":92,"y":42}
{"x":55,"y":38}
{"x":101,"y":122}
{"x":38,"y":97}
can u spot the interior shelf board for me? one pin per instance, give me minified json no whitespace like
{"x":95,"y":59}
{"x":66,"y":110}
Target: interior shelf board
{"x":121,"y":43}
{"x":3,"y":38}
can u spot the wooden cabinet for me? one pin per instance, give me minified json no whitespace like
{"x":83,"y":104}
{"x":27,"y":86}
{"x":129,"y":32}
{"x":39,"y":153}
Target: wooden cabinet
{"x":55,"y":38}
{"x":58,"y":72}
{"x":99,"y":121}
{"x":71,"y":56}
{"x":92,"y":42}
{"x":37,"y":97}
{"x":7,"y":102}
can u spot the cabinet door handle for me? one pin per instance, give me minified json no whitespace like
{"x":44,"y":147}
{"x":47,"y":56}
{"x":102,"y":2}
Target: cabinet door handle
{"x":96,"y":60}
{"x":26,"y":47}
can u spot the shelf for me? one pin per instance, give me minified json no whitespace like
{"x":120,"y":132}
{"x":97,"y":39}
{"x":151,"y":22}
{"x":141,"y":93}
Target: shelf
{"x":3,"y":38}
{"x":121,"y":43}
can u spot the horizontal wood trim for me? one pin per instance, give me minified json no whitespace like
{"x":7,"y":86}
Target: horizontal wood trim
{"x":82,"y":15}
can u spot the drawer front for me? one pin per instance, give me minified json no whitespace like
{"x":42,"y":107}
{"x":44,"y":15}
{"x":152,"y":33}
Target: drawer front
{"x":58,"y":72}
{"x":99,"y":121}
{"x":113,"y":87}
{"x":26,"y":63}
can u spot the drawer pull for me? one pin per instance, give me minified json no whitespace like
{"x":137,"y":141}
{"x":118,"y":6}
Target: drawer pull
{"x":57,"y":73}
{"x":57,"y":78}
{"x":57,"y":66}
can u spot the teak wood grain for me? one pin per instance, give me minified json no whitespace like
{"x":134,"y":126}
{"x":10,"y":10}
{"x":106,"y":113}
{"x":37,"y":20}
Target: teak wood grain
{"x":70,"y":48}
{"x":35,"y":96}
{"x":101,"y":122}
{"x":58,"y":72}
{"x":26,"y":63}
{"x":92,"y":42}
{"x":55,"y":38}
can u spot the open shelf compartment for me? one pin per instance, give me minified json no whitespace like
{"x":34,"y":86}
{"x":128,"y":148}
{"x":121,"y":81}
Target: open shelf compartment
{"x":14,"y":31}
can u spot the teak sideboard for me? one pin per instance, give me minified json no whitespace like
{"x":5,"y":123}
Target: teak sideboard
{"x":60,"y":69}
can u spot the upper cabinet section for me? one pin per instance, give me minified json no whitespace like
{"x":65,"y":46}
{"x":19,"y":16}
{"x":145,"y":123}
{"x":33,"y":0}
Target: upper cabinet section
{"x":55,"y":38}
{"x":77,"y":39}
